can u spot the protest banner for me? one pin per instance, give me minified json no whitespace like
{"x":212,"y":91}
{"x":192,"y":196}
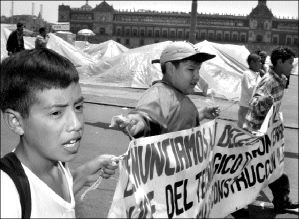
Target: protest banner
{"x":204,"y":172}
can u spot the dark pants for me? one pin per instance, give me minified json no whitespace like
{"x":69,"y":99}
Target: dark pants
{"x":280,"y":189}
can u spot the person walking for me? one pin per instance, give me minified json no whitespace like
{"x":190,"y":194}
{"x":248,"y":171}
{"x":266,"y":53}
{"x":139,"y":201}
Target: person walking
{"x":15,"y":41}
{"x":270,"y":90}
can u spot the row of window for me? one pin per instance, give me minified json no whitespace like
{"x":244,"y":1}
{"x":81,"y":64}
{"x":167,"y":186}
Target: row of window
{"x":81,"y":17}
{"x":179,"y":34}
{"x":288,"y":40}
{"x":177,"y":20}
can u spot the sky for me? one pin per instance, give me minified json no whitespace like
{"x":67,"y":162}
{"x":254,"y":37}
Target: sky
{"x":50,"y":8}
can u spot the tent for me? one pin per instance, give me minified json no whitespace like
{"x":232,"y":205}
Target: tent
{"x":75,"y":55}
{"x":107,"y":49}
{"x":67,"y":36}
{"x":133,"y":68}
{"x":224,"y":72}
{"x":55,"y":43}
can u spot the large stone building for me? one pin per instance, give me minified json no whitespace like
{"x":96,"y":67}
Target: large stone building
{"x":260,"y":29}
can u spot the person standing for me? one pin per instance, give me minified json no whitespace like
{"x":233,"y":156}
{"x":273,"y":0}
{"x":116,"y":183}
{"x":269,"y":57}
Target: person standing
{"x":264,"y":68}
{"x":270,"y":90}
{"x":250,"y":79}
{"x":42,"y":39}
{"x":15,"y":41}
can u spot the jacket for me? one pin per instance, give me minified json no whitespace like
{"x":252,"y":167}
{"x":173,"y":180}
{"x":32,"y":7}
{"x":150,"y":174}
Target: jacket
{"x":12,"y":43}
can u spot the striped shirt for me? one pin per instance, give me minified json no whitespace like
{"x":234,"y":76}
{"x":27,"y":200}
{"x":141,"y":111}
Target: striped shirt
{"x":272,"y":85}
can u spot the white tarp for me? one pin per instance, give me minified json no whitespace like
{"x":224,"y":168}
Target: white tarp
{"x":78,"y":57}
{"x":224,"y":72}
{"x":55,"y":43}
{"x":106,"y":50}
{"x":134,"y":68}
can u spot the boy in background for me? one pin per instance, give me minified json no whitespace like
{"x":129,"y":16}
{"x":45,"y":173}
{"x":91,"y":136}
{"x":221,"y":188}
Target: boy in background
{"x":42,"y":39}
{"x":41,"y":101}
{"x":165,"y":107}
{"x":270,"y":90}
{"x":250,"y":79}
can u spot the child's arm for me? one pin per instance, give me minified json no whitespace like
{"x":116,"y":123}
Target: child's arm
{"x":262,"y":99}
{"x":88,"y":173}
{"x":132,"y":124}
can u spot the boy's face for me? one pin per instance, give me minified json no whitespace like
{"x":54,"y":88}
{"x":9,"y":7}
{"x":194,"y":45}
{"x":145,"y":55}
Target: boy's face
{"x":256,"y":64}
{"x":185,"y":76}
{"x":286,"y":66}
{"x":54,"y":127}
{"x":263,"y":56}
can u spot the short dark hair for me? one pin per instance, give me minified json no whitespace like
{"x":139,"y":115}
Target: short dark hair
{"x":19,"y":24}
{"x":252,"y":57}
{"x":282,"y":53}
{"x":41,"y":30}
{"x":163,"y":65}
{"x":29,"y":71}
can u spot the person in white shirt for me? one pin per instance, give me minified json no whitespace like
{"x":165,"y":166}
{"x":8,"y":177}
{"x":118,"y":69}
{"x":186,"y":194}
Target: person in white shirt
{"x":250,"y":79}
{"x":41,"y":102}
{"x":41,"y":39}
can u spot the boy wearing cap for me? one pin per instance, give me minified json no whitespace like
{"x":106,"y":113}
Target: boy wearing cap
{"x":15,"y":41}
{"x":165,"y":107}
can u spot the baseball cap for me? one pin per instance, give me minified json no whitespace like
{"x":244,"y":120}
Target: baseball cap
{"x":180,"y":50}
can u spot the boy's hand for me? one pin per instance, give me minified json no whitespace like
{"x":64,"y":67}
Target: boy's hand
{"x":88,"y":173}
{"x":131,"y":124}
{"x":108,"y":165}
{"x":211,"y":112}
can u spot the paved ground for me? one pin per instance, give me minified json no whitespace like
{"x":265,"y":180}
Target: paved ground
{"x":103,"y":102}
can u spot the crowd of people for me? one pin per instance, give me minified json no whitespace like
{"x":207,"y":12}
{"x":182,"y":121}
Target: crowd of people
{"x":41,"y":102}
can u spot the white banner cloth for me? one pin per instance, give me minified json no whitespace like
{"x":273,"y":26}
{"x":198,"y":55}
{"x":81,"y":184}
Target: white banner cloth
{"x":205,"y":172}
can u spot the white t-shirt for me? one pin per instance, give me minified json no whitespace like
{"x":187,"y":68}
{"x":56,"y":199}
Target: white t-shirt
{"x":249,"y":82}
{"x":45,"y":203}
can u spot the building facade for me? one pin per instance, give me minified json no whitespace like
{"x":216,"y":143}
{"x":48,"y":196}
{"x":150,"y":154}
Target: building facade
{"x":259,"y":30}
